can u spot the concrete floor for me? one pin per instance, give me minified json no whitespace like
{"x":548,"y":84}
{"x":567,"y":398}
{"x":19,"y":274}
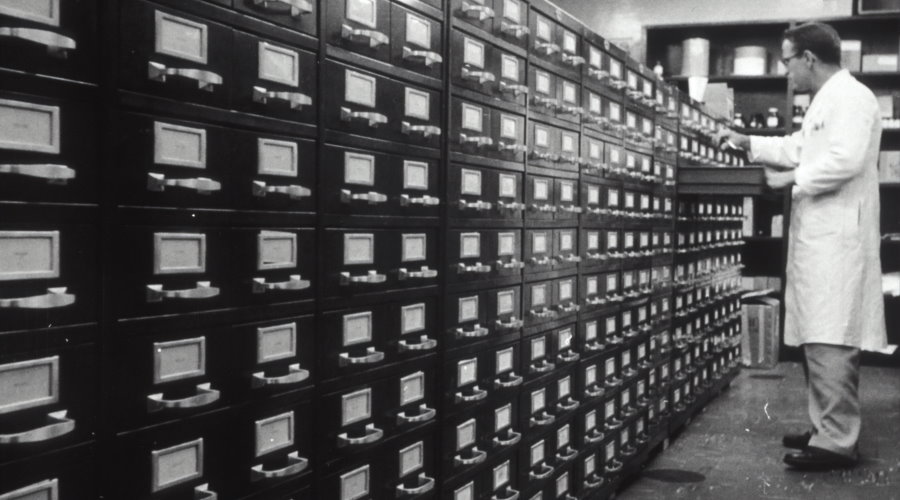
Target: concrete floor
{"x":732,"y":451}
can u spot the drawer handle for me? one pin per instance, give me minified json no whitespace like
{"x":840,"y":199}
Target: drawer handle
{"x":514,"y":438}
{"x":542,"y":313}
{"x":546,"y":470}
{"x":479,"y":12}
{"x":295,"y":375}
{"x":373,"y":434}
{"x":203,"y":185}
{"x":598,"y":74}
{"x":426,"y":484}
{"x":296,"y":465}
{"x":542,"y":208}
{"x":543,"y":261}
{"x":570,"y":209}
{"x":511,"y":147}
{"x":573,"y":307}
{"x":512,"y":205}
{"x":613,"y":467}
{"x":617,"y":83}
{"x":371,"y":118}
{"x":476,"y":140}
{"x":425,"y":201}
{"x":371,"y":37}
{"x":571,"y":405}
{"x":59,"y":426}
{"x":293,"y":283}
{"x":513,"y":323}
{"x":570,"y":257}
{"x":295,"y":7}
{"x":594,"y":346}
{"x":295,"y":99}
{"x":594,"y":437}
{"x":475,"y":205}
{"x":514,"y":381}
{"x":595,"y":255}
{"x":424,"y":344}
{"x":566,"y":457}
{"x":477,"y":395}
{"x":426,"y":57}
{"x":546,"y":102}
{"x":261,"y":189}
{"x":613,"y":381}
{"x":514,"y":30}
{"x":57,"y":45}
{"x":512,"y":264}
{"x":203,"y":290}
{"x":596,"y":392}
{"x":206,"y":80}
{"x":568,"y":358}
{"x":596,"y":482}
{"x":543,"y":367}
{"x":570,"y":110}
{"x":478,"y":457}
{"x":546,"y":48}
{"x":476,"y":268}
{"x":427,"y":131}
{"x":423,"y":273}
{"x":54,"y":298}
{"x":477,"y":331}
{"x":572,"y":60}
{"x":371,"y":197}
{"x":596,"y":301}
{"x":567,"y":159}
{"x":481,"y":77}
{"x":425,"y":414}
{"x":514,"y":89}
{"x":546,"y":156}
{"x":55,"y":174}
{"x":512,"y":495}
{"x":205,"y":396}
{"x":371,"y":278}
{"x":203,"y":492}
{"x":371,"y":357}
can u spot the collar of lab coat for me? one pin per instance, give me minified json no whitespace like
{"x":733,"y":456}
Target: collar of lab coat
{"x":834,"y":83}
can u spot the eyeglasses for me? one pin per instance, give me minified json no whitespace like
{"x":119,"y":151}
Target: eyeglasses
{"x":787,"y":60}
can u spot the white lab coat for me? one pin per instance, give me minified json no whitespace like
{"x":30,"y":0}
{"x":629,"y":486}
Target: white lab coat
{"x":833,"y":290}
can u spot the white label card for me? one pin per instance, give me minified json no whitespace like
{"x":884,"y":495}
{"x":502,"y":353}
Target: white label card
{"x":539,"y":242}
{"x":544,"y":30}
{"x":473,"y":52}
{"x":542,"y":82}
{"x":412,"y":318}
{"x":181,"y":38}
{"x":415,"y":175}
{"x":509,"y":127}
{"x":359,"y":248}
{"x":355,"y":484}
{"x":176,"y":464}
{"x":541,"y":136}
{"x":508,"y":186}
{"x":509,"y":67}
{"x":471,"y":182}
{"x":538,"y":295}
{"x":357,"y":328}
{"x":172,"y":144}
{"x":418,"y":104}
{"x":418,"y":31}
{"x":506,"y":244}
{"x":278,"y":64}
{"x":469,"y":245}
{"x":364,"y":12}
{"x":506,"y":302}
{"x":472,"y":117}
{"x":467,"y":371}
{"x":360,"y":88}
{"x":468,"y":309}
{"x":512,"y":10}
{"x":541,"y":189}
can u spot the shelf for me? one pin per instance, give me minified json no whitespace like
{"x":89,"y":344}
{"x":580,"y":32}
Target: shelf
{"x":762,"y":131}
{"x":876,"y":74}
{"x":889,"y":185}
{"x":734,"y":78}
{"x":746,"y":181}
{"x":762,"y":239}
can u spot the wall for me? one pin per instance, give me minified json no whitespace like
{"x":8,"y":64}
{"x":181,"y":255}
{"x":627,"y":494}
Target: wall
{"x":623,"y":21}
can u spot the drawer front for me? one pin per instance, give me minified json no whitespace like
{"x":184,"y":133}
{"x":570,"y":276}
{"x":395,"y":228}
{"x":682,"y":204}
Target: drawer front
{"x":411,"y":466}
{"x":281,"y":267}
{"x":49,"y":399}
{"x":362,"y":26}
{"x":365,"y":338}
{"x":540,"y":198}
{"x":379,"y":260}
{"x":170,"y":54}
{"x":565,"y":249}
{"x":476,"y":255}
{"x":480,"y":130}
{"x":538,"y":356}
{"x":511,"y":22}
{"x":49,"y":148}
{"x":51,"y":38}
{"x":481,"y":315}
{"x":555,"y":96}
{"x":486,"y":68}
{"x":554,"y":148}
{"x":466,"y":443}
{"x":539,"y":250}
{"x":274,"y":80}
{"x":565,"y":297}
{"x":501,"y":477}
{"x":588,"y":427}
{"x":46,"y":273}
{"x":275,"y":356}
{"x":416,"y":42}
{"x":66,"y":474}
{"x":478,"y":13}
{"x":383,"y":108}
{"x":484,"y":193}
{"x":272,"y":172}
{"x":380,"y":184}
{"x":538,"y":302}
{"x":591,"y":333}
{"x":298,"y":16}
{"x":536,"y":459}
{"x":503,"y":371}
{"x":552,"y":42}
{"x":595,"y":153}
{"x":598,"y":112}
{"x":463,"y":381}
{"x":567,"y":202}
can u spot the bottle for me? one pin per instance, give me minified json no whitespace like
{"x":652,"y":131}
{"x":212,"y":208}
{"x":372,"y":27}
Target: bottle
{"x":774,"y":120}
{"x":658,"y":69}
{"x":797,"y":118}
{"x":739,"y":121}
{"x":756,"y":121}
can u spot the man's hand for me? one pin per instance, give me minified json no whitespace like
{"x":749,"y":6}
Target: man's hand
{"x":727,"y":137}
{"x":777,"y":179}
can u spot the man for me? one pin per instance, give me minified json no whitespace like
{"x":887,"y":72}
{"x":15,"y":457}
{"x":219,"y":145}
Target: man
{"x":833,"y":290}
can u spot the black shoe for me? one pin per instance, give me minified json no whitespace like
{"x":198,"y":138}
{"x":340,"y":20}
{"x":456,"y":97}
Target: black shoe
{"x":813,"y":458}
{"x":796,"y":441}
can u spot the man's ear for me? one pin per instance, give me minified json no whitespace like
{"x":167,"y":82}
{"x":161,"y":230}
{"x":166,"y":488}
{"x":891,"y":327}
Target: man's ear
{"x":810,"y":56}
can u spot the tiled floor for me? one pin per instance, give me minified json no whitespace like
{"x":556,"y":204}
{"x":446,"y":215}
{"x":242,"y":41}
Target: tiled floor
{"x":732,"y":451}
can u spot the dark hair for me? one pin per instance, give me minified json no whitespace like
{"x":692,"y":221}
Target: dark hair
{"x":818,"y":38}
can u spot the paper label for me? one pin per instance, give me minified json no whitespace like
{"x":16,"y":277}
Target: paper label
{"x":467,"y":371}
{"x":359,"y":249}
{"x":176,"y":464}
{"x":502,"y":417}
{"x":29,"y":255}
{"x":355,"y":484}
{"x":469,"y":245}
{"x":538,"y":400}
{"x":172,"y":144}
{"x":471,"y":182}
{"x":181,"y":38}
{"x":541,"y":189}
{"x":512,"y":10}
{"x":360,"y":88}
{"x":276,"y":157}
{"x":541,"y":136}
{"x":178,"y":253}
{"x":566,"y":241}
{"x":542,"y":82}
{"x":364,"y":12}
{"x":418,"y":31}
{"x":509,"y":67}
{"x":412,"y":458}
{"x":473,"y":52}
{"x":543,"y":29}
{"x":412,"y":318}
{"x":504,"y":360}
{"x":538,"y":348}
{"x":570,"y":95}
{"x":509,"y":127}
{"x":276,"y":342}
{"x":468,"y":309}
{"x":415,"y":175}
{"x":565,"y":290}
{"x":274,"y":433}
{"x":357,"y":328}
{"x":506,"y":302}
{"x":507,"y":186}
{"x":278,"y":64}
{"x":472,"y":118}
{"x":179,"y":359}
{"x":418,"y":104}
{"x":538,"y":295}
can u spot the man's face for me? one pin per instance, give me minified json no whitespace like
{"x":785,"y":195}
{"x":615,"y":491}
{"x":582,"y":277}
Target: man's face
{"x":797,"y":67}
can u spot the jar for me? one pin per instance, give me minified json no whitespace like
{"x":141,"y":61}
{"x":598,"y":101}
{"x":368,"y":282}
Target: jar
{"x":797,"y":116}
{"x":756,"y":121}
{"x":739,"y":121}
{"x":773,"y":119}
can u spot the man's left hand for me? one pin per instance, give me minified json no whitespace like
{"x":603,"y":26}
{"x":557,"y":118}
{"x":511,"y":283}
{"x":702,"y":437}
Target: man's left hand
{"x":779,"y":179}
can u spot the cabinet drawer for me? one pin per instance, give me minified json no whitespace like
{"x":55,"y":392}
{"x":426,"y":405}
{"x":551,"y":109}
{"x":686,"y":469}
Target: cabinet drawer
{"x":482,"y":193}
{"x":383,"y":108}
{"x":465,"y":381}
{"x":588,"y":427}
{"x":380,"y":184}
{"x":65,"y":474}
{"x":411,"y":466}
{"x":476,"y":255}
{"x":604,"y":70}
{"x":596,"y":157}
{"x":478,"y":13}
{"x":540,"y":198}
{"x":486,"y":132}
{"x":565,"y":249}
{"x":501,"y":478}
{"x":274,"y":356}
{"x":554,"y":43}
{"x":416,"y":42}
{"x":51,"y":38}
{"x":550,"y":300}
{"x":486,"y":68}
{"x":272,"y":172}
{"x":477,"y":316}
{"x":590,"y":335}
{"x":555,"y":96}
{"x":553,"y":147}
{"x":299,"y":16}
{"x":175,"y":55}
{"x":537,"y":460}
{"x":567,"y":202}
{"x":49,"y":148}
{"x":274,"y":80}
{"x":362,"y":26}
{"x":539,"y":250}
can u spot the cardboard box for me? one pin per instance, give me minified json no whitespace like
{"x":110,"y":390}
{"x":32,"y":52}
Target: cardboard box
{"x":760,"y":325}
{"x":889,"y":166}
{"x":851,"y":54}
{"x":886,"y":105}
{"x":879,"y":62}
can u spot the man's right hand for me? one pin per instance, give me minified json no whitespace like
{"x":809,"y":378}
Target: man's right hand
{"x":726,"y":138}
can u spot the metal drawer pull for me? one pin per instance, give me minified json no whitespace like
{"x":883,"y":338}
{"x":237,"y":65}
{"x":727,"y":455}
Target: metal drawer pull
{"x":573,"y":307}
{"x":371,"y":37}
{"x":371,"y":118}
{"x":481,"y":77}
{"x":572,"y":59}
{"x":543,"y":261}
{"x":618,"y":83}
{"x":371,"y":357}
{"x":511,"y":147}
{"x":540,"y":155}
{"x":594,"y":437}
{"x":512,"y":264}
{"x":544,"y":366}
{"x":570,"y":257}
{"x":423,"y":273}
{"x":514,"y":437}
{"x":371,"y":197}
{"x":372,"y":278}
{"x":203,"y":185}
{"x":426,"y":200}
{"x":571,"y":110}
{"x":513,"y":495}
{"x":514,"y":89}
{"x":55,"y":297}
{"x":295,"y":375}
{"x":542,"y":313}
{"x":543,"y":208}
{"x":568,"y":358}
{"x":296,"y":465}
{"x":594,"y":255}
{"x":568,"y":159}
{"x":476,"y":140}
{"x":513,"y":323}
{"x":594,"y":346}
{"x":477,"y":331}
{"x":478,"y":456}
{"x":613,"y":467}
{"x":203,"y":290}
{"x":477,"y":268}
{"x":613,"y":381}
{"x":206,"y":80}
{"x":502,"y":205}
{"x":57,"y":45}
{"x":599,"y":74}
{"x":425,"y":414}
{"x":546,"y":470}
{"x":546,"y":48}
{"x":514,"y":30}
{"x":373,"y":434}
{"x":596,"y":301}
{"x":546,"y":102}
{"x":573,"y":404}
{"x":475,"y":205}
{"x":55,"y":174}
{"x":426,"y":57}
{"x":203,"y":492}
{"x":514,"y":381}
{"x":205,"y":396}
{"x":424,"y":344}
{"x":477,"y":395}
{"x":479,"y":12}
{"x":296,"y":99}
{"x":566,"y":457}
{"x":294,"y":283}
{"x":295,"y":7}
{"x":426,"y":130}
{"x":572,"y":209}
{"x":59,"y":425}
{"x":596,"y":482}
{"x":426,"y":484}
{"x":594,"y":393}
{"x":261,"y":189}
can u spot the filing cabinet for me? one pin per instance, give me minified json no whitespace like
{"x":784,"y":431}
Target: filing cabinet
{"x":551,"y":300}
{"x":476,"y":316}
{"x":276,"y":173}
{"x":488,"y":69}
{"x":480,"y":255}
{"x":604,"y":69}
{"x":481,"y":193}
{"x":553,"y":147}
{"x":507,"y":20}
{"x":554,"y":96}
{"x":484,"y":135}
{"x":298,"y":16}
{"x":274,"y":356}
{"x":62,"y":474}
{"x":552,"y":42}
{"x":541,"y":198}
